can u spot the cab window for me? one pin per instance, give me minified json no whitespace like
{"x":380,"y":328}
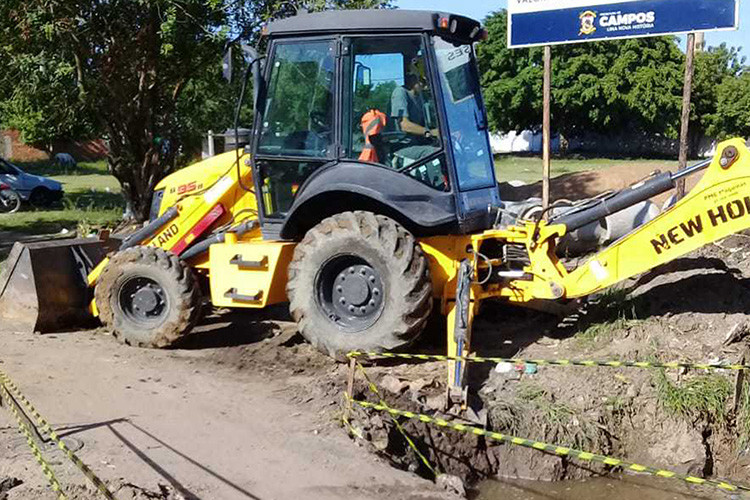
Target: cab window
{"x":393,"y":117}
{"x":298,"y":119}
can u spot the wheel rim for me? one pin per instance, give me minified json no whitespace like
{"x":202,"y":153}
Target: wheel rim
{"x":142,"y":300}
{"x":9,"y":201}
{"x":350,"y":292}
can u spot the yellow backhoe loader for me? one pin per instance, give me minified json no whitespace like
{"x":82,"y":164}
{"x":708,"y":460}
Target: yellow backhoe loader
{"x":367,"y":194}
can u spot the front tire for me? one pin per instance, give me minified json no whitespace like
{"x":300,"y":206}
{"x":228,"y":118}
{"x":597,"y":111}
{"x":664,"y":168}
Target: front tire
{"x":359,"y":281}
{"x":147,"y":297}
{"x":40,"y":198}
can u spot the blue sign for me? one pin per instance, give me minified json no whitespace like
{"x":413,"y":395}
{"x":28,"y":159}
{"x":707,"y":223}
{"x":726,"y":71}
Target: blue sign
{"x":551,"y":22}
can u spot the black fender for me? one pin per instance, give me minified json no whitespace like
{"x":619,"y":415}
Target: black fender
{"x":351,"y":186}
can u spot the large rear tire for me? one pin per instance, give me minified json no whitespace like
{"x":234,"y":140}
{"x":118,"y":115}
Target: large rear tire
{"x":147,"y":297}
{"x":359,"y":281}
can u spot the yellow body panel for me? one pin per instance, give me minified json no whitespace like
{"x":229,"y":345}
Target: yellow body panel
{"x":444,"y":255}
{"x":250,"y":274}
{"x":197,"y":189}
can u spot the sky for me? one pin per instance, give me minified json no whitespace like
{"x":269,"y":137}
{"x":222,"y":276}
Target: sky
{"x":478,"y":9}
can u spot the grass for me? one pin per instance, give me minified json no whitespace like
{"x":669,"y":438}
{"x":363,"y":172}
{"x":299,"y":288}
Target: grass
{"x":92,"y":198}
{"x":528,"y":169}
{"x":613,"y":310}
{"x":703,"y":397}
{"x":534,"y":411}
{"x":743,"y":419}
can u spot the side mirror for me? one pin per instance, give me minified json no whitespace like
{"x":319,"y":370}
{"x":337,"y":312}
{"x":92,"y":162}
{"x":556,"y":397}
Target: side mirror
{"x":256,"y":65}
{"x":364,"y":76}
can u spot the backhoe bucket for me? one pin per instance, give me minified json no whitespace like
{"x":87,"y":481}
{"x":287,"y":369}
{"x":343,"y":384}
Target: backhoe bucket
{"x":43,"y":286}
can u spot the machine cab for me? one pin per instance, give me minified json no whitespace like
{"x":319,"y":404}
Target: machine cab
{"x":378,"y":110}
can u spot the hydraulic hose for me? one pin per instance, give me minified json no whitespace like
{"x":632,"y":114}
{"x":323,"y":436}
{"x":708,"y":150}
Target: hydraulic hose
{"x":150,"y":229}
{"x":204,"y":245}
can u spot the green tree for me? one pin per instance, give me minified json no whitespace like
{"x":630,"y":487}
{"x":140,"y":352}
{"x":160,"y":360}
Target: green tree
{"x":40,"y":101}
{"x":601,"y":86}
{"x":732,"y":116}
{"x":716,"y":68}
{"x":144,"y":73}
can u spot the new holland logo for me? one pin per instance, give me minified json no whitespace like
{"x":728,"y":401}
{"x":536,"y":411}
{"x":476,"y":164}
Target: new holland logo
{"x":588,"y":26}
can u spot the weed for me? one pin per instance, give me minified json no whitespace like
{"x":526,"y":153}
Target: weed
{"x":604,"y":329}
{"x":612,"y":310}
{"x":506,"y":416}
{"x":742,"y":421}
{"x":703,"y":397}
{"x":535,"y":412}
{"x":529,"y":392}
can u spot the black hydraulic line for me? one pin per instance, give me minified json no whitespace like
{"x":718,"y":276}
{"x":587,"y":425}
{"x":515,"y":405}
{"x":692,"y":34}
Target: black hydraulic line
{"x":203,"y":246}
{"x":628,"y":197}
{"x":150,"y":229}
{"x":622,"y":200}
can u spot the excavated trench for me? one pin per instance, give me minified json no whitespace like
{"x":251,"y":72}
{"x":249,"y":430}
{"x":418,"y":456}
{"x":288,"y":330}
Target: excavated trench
{"x":689,"y":421}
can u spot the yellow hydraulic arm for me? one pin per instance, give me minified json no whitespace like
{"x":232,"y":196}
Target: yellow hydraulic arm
{"x":717,"y":207}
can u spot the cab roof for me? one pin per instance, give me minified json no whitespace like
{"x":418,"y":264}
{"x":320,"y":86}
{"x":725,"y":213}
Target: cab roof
{"x":362,"y":21}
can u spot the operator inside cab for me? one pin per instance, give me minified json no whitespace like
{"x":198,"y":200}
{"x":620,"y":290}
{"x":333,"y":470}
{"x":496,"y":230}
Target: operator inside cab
{"x":407,"y":107}
{"x":408,"y":114}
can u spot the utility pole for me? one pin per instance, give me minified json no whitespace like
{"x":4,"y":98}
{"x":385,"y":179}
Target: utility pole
{"x":546,"y":126}
{"x":686,"y":98}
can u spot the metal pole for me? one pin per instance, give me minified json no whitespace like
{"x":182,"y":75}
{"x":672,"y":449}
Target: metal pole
{"x":546,"y":126}
{"x":686,"y":98}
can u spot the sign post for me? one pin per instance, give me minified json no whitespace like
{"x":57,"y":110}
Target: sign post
{"x":535,"y":23}
{"x":546,"y":125}
{"x":687,"y":91}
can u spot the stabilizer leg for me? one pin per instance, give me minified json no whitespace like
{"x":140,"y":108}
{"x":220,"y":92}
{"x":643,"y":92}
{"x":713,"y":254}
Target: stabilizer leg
{"x":460,"y":315}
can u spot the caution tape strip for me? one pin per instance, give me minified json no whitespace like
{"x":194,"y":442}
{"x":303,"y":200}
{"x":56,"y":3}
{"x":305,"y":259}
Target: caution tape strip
{"x":6,"y":382}
{"x":24,"y":428}
{"x":374,"y":389}
{"x":557,"y":450}
{"x":551,"y":362}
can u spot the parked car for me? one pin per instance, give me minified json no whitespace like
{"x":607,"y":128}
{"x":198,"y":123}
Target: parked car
{"x":37,"y":190}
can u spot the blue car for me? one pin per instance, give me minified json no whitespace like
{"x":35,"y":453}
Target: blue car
{"x":34,"y":189}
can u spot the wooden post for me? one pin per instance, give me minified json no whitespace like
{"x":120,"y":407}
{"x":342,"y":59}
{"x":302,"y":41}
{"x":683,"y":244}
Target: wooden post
{"x":686,"y":98}
{"x":546,"y":126}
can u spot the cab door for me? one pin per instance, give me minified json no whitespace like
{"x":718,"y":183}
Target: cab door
{"x":296,"y":131}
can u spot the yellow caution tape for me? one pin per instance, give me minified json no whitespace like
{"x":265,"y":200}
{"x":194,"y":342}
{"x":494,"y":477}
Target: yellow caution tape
{"x":46,"y":428}
{"x":550,"y":448}
{"x":24,"y":428}
{"x":551,"y":362}
{"x":374,"y":389}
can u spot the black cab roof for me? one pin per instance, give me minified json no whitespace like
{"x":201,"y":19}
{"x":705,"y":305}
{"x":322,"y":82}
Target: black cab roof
{"x":375,"y":21}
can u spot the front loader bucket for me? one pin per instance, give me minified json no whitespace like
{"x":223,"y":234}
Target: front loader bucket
{"x":43,"y":286}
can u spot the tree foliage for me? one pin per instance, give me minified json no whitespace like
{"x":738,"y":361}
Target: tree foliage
{"x":603,"y":86}
{"x":146,"y":74}
{"x":732,"y":116}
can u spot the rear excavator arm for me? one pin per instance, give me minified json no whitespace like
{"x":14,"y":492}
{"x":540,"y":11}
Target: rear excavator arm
{"x":717,"y":207}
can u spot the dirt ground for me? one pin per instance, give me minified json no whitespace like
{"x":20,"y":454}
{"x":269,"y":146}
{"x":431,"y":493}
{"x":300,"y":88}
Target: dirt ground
{"x":245,"y":409}
{"x":198,"y":422}
{"x":581,"y":185}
